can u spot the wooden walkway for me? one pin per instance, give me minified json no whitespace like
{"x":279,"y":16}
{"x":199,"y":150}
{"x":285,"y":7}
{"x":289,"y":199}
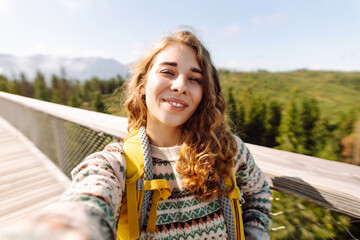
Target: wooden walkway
{"x":28,"y":179}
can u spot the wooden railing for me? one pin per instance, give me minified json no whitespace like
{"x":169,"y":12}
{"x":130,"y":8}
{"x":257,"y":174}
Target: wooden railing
{"x":334,"y":185}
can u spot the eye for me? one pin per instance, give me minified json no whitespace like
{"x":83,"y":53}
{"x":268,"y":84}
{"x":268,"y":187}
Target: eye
{"x":167,"y":72}
{"x":194,"y":79}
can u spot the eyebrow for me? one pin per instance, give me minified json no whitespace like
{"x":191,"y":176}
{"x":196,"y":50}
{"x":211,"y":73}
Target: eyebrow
{"x":196,"y":70}
{"x":174,"y":64}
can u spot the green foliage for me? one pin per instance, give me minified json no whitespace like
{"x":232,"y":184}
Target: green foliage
{"x":86,"y":91}
{"x":255,"y":123}
{"x":40,"y":90}
{"x":26,"y":88}
{"x":305,"y":220}
{"x":309,"y":115}
{"x":290,"y":129}
{"x":4,"y":83}
{"x":99,"y":104}
{"x":272,"y":124}
{"x":232,"y":111}
{"x":74,"y":100}
{"x":336,"y":92}
{"x":55,"y":95}
{"x":14,"y":87}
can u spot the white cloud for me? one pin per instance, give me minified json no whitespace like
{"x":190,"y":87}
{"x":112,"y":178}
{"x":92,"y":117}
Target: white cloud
{"x":50,"y":64}
{"x":64,"y":51}
{"x":76,"y":66}
{"x":6,"y":9}
{"x":231,"y":30}
{"x":269,"y":21}
{"x":335,"y":67}
{"x":67,"y":51}
{"x":73,"y":6}
{"x":236,"y":65}
{"x":134,"y":53}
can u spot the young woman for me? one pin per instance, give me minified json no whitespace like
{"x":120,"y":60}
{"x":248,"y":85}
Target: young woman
{"x":174,"y":95}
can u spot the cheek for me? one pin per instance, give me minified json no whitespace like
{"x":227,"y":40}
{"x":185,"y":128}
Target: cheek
{"x":199,"y":96}
{"x":154,"y":86}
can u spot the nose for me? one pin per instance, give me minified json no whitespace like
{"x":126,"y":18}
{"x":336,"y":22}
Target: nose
{"x":179,"y":84}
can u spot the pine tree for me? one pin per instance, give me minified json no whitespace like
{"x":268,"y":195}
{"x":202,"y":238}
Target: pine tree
{"x":347,"y":123}
{"x":77,"y":93}
{"x":232,"y":112}
{"x":4,"y":83}
{"x":309,"y":115}
{"x":346,"y":136}
{"x":14,"y":87}
{"x":327,"y":144}
{"x":64,"y":90}
{"x":242,"y":111}
{"x":255,"y":122}
{"x":74,"y":101}
{"x":290,"y":130}
{"x":99,"y":105}
{"x":55,"y":95}
{"x":40,"y":90}
{"x":357,"y":144}
{"x":273,"y":124}
{"x":96,"y":84}
{"x":240,"y":125}
{"x":86,"y":91}
{"x":26,"y":88}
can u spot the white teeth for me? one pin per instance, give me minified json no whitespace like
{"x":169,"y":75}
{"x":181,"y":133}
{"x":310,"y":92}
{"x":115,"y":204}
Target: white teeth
{"x":176,"y":104}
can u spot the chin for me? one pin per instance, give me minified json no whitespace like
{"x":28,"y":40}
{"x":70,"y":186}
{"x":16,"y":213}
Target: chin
{"x":172,"y":123}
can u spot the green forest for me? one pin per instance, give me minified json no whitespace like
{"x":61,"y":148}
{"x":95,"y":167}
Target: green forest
{"x":308,"y":112}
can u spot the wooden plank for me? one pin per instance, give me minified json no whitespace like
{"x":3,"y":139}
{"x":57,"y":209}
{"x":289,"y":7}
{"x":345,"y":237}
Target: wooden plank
{"x":335,"y":185}
{"x":27,"y":211}
{"x":28,"y":179}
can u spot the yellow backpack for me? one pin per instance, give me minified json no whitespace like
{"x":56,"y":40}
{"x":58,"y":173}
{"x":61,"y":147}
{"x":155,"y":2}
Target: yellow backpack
{"x":132,"y":215}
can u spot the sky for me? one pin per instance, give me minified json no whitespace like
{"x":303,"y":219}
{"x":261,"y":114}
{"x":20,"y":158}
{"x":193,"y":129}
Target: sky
{"x":274,"y":35}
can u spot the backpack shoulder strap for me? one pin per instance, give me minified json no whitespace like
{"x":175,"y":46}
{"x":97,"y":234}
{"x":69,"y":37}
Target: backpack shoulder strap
{"x":139,"y":186}
{"x":134,"y":157}
{"x":235,"y":198}
{"x":128,"y":226}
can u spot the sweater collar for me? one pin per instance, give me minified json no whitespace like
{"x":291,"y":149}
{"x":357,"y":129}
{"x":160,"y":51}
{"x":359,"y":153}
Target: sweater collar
{"x":165,"y":153}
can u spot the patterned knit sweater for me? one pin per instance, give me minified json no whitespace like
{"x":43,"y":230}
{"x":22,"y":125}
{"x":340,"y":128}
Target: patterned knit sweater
{"x":90,"y":207}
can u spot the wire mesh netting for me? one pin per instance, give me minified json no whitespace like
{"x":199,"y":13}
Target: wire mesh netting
{"x":67,"y":143}
{"x":64,"y":142}
{"x":295,"y":218}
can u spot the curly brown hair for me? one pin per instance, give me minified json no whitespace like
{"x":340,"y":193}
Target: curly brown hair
{"x":208,"y":148}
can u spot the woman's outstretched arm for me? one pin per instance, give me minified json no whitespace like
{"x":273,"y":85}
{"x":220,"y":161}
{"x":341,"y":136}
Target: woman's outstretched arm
{"x":251,"y":180}
{"x":89,"y":209}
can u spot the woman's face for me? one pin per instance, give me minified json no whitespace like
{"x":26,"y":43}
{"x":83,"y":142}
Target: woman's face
{"x":174,"y":87}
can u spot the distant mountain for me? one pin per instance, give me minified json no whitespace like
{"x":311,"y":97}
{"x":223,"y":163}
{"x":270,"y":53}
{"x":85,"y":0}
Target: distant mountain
{"x":75,"y":68}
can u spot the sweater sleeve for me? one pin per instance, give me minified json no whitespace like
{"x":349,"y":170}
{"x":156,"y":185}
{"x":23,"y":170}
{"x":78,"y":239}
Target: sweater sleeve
{"x":89,"y":209}
{"x":251,"y":180}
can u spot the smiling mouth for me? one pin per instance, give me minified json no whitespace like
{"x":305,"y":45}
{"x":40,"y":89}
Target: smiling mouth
{"x":176,"y":104}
